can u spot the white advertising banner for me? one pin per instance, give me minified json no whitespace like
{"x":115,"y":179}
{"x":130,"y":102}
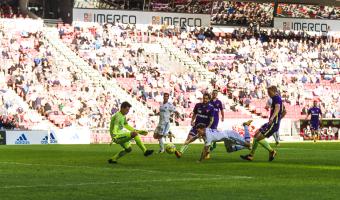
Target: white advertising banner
{"x":70,"y":135}
{"x":312,"y":25}
{"x":26,"y":137}
{"x":140,"y":17}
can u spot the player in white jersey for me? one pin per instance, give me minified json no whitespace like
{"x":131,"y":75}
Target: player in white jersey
{"x":163,"y":127}
{"x":233,"y":141}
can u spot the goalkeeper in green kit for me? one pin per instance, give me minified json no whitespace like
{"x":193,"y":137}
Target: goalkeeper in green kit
{"x":123,"y":137}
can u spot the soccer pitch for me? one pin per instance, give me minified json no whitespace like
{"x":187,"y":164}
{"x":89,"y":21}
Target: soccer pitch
{"x":300,"y":171}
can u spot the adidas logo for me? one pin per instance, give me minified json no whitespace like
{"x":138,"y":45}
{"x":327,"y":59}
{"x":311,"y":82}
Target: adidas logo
{"x":22,"y":140}
{"x":52,"y":139}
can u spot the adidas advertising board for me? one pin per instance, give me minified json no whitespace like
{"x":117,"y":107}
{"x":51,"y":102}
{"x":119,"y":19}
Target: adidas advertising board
{"x":25,"y":137}
{"x":50,"y":139}
{"x":140,"y":17}
{"x":72,"y":135}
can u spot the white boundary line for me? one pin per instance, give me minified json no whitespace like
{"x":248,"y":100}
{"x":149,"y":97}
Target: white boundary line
{"x":130,"y":169}
{"x":112,"y":182}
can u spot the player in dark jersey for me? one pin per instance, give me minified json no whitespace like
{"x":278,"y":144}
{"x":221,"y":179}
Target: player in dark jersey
{"x":268,"y":129}
{"x":203,"y":113}
{"x":218,"y":108}
{"x":314,"y":112}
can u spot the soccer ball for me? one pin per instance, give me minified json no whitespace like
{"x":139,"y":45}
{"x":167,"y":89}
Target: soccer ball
{"x":170,"y":148}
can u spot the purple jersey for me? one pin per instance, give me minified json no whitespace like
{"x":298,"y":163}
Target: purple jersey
{"x":276,"y":100}
{"x":217,"y":104}
{"x":314,"y":112}
{"x":203,"y":113}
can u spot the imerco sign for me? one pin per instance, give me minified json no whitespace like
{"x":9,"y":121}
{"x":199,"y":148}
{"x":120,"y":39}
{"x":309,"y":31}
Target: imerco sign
{"x":190,"y":21}
{"x":110,"y":18}
{"x":313,"y":25}
{"x":139,"y":17}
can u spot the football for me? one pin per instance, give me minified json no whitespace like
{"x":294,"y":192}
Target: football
{"x":170,"y":148}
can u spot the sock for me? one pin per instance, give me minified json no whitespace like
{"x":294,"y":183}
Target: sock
{"x":119,"y":155}
{"x":184,"y":148}
{"x":266,"y":145}
{"x":275,"y":137}
{"x":254,"y":147}
{"x":278,"y":136}
{"x":161,"y":143}
{"x":140,"y":143}
{"x":246,"y":134}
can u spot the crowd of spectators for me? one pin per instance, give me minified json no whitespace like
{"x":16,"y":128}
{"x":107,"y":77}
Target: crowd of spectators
{"x":308,"y":11}
{"x":183,"y":6}
{"x":116,"y":54}
{"x":242,"y":13}
{"x":49,"y":85}
{"x":246,"y":62}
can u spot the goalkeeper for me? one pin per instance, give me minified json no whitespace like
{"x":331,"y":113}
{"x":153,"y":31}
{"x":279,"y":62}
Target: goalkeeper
{"x":123,"y":137}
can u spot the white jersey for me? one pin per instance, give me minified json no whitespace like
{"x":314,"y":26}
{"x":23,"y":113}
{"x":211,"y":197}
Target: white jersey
{"x":214,"y":135}
{"x":165,"y":111}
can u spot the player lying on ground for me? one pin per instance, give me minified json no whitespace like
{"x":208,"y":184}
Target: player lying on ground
{"x":123,"y":137}
{"x":233,"y":141}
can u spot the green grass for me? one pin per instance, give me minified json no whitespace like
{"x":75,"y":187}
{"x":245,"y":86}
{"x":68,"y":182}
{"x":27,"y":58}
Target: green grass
{"x":300,"y":171}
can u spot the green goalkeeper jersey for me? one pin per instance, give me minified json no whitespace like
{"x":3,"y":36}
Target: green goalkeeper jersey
{"x":118,"y":123}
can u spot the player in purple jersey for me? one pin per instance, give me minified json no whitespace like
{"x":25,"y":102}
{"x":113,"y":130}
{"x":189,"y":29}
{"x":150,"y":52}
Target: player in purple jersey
{"x":203,"y":113}
{"x":276,"y":135}
{"x":314,"y":112}
{"x":218,"y":108}
{"x":268,"y":129}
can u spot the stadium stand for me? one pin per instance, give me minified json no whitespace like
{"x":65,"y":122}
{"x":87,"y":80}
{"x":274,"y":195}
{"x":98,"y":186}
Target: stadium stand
{"x":220,"y":58}
{"x":241,"y":64}
{"x":308,"y":11}
{"x":252,"y":61}
{"x":242,"y":13}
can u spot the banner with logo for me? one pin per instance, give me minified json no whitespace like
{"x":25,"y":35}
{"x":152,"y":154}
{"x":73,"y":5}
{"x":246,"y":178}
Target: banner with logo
{"x":25,"y":137}
{"x":140,"y":17}
{"x":71,"y":135}
{"x":312,"y":25}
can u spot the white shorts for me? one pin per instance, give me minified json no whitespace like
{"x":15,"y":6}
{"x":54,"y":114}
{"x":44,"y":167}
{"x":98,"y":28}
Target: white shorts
{"x":163,"y":129}
{"x":236,"y":138}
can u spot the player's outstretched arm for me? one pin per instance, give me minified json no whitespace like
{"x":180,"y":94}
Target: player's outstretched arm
{"x":211,"y":122}
{"x":276,"y":112}
{"x":193,"y":118}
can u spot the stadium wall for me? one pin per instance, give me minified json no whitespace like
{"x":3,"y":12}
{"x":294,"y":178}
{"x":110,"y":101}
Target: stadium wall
{"x":140,"y":17}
